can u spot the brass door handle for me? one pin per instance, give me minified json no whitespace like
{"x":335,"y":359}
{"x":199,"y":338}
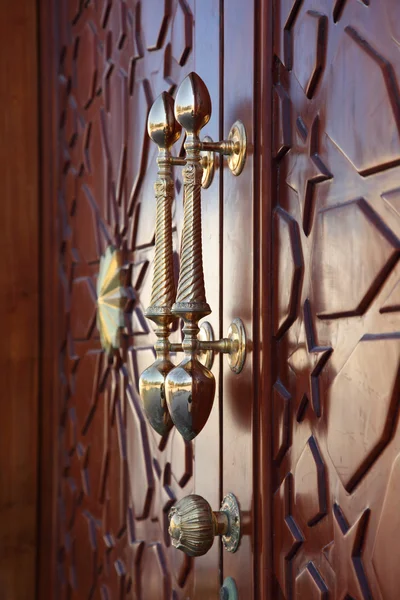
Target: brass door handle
{"x":164,"y":130}
{"x":184,"y":395}
{"x":193,"y":525}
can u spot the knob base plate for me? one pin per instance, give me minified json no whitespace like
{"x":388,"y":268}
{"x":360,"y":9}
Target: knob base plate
{"x":230,"y":507}
{"x":237,"y":159}
{"x":206,"y":334}
{"x":237,"y":335}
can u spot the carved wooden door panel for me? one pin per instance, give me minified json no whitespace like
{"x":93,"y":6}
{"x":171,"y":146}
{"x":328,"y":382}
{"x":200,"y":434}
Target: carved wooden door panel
{"x":336,"y":228}
{"x":117,"y":479}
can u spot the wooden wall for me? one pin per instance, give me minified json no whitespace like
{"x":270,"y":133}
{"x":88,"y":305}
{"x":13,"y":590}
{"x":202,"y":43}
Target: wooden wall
{"x":19,"y":291}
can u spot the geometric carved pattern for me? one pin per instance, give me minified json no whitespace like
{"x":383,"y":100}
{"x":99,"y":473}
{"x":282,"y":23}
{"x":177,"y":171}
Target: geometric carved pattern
{"x":282,"y":135}
{"x":309,"y":50}
{"x":308,"y":362}
{"x":289,"y":536}
{"x":356,"y":57}
{"x":345,"y":555}
{"x":281,"y":420}
{"x":392,"y":198}
{"x":363,"y":404}
{"x":310,"y":484}
{"x":339,"y":5}
{"x":335,"y":298}
{"x":117,"y":478}
{"x":384,"y":557}
{"x":155,"y":577}
{"x":287,"y":271}
{"x":310,"y":585}
{"x":83,"y":308}
{"x":306,"y":169}
{"x":344,"y":234}
{"x":392,"y":302}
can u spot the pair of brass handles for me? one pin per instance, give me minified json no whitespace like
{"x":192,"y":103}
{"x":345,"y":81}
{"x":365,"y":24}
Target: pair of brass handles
{"x":183,"y":396}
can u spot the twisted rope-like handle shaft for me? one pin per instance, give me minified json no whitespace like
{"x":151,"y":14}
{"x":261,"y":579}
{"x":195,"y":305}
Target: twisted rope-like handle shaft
{"x":163,"y":286}
{"x":164,"y":131}
{"x":191,"y":294}
{"x":190,"y":387}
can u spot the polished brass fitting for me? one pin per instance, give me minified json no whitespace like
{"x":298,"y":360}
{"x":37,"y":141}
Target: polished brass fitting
{"x":184,"y":395}
{"x":193,"y":525}
{"x":164,"y":130}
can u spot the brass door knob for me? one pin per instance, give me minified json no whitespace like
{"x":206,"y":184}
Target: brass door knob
{"x":193,"y":525}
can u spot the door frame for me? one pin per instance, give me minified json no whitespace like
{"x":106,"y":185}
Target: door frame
{"x":263,"y":191}
{"x":49,"y":385}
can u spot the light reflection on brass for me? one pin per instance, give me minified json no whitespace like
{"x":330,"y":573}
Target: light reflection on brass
{"x":164,"y":131}
{"x":193,"y":525}
{"x":234,"y":148}
{"x":184,"y":395}
{"x":190,"y":387}
{"x":111,"y":298}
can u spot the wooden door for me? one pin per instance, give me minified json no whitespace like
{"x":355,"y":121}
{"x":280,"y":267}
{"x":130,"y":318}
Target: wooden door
{"x":114,"y":478}
{"x":303,"y":246}
{"x":336,"y":349}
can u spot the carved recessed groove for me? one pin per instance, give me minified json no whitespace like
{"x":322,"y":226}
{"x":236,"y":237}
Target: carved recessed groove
{"x":376,"y":147}
{"x":288,"y":537}
{"x":182,"y":33}
{"x":139,"y":459}
{"x":310,"y":584}
{"x":363,"y":406}
{"x":108,"y":484}
{"x":308,"y":362}
{"x":281,"y":121}
{"x":310,"y":39}
{"x":339,"y":6}
{"x":310,"y":484}
{"x":392,"y":199}
{"x":384,"y":555}
{"x":392,"y":302}
{"x":85,"y":65}
{"x":155,"y":15}
{"x":154,"y":562}
{"x":288,"y":271}
{"x":345,"y":234}
{"x":281,"y":420}
{"x":83,"y":308}
{"x":288,"y":33}
{"x":306,"y":169}
{"x":345,"y":555}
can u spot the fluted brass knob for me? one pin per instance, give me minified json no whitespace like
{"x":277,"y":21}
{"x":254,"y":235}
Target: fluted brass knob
{"x":164,"y":130}
{"x":193,"y":525}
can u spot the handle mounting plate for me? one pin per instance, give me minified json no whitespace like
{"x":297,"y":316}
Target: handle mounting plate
{"x":230,"y":507}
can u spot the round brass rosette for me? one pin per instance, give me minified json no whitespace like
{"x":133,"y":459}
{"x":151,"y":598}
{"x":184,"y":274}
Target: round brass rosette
{"x":111,"y":297}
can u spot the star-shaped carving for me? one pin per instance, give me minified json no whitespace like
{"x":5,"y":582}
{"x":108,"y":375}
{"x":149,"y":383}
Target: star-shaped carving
{"x":306,"y":169}
{"x":287,"y":534}
{"x":120,"y":559}
{"x":344,"y":556}
{"x":308,"y":362}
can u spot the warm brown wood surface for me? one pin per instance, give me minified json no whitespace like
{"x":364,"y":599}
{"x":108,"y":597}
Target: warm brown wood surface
{"x":308,"y":249}
{"x":19,"y":288}
{"x":336,"y":245}
{"x":117,"y":479}
{"x":239,"y":286}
